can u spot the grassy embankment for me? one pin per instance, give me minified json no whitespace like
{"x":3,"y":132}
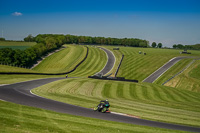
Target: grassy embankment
{"x":94,"y":63}
{"x":139,"y":66}
{"x":178,"y":67}
{"x":62,"y":61}
{"x":16,"y":45}
{"x":189,"y":79}
{"x":18,"y":118}
{"x":148,"y":101}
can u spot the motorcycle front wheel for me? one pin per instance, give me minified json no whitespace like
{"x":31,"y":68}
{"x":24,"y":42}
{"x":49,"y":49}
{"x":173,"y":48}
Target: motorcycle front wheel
{"x":95,"y":108}
{"x":104,"y":110}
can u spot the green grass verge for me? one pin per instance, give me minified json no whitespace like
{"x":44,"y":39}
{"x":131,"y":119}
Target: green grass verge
{"x":18,"y":118}
{"x":94,"y":63}
{"x":6,"y":43}
{"x":14,"y":78}
{"x":195,"y":71}
{"x":5,"y":68}
{"x":148,"y":101}
{"x":179,"y":66}
{"x":189,"y":79}
{"x":62,"y":61}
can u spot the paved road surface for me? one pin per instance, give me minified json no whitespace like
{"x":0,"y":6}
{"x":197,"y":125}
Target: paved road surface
{"x":20,"y":93}
{"x":161,"y":70}
{"x":110,"y":63}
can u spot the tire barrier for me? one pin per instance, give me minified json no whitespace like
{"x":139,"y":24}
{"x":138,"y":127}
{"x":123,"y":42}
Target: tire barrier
{"x":28,"y":73}
{"x":113,"y":78}
{"x":119,"y":65}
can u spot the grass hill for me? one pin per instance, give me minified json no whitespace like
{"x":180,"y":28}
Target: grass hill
{"x":94,"y":63}
{"x":139,"y":66}
{"x":189,"y":79}
{"x":62,"y":61}
{"x":6,"y":68}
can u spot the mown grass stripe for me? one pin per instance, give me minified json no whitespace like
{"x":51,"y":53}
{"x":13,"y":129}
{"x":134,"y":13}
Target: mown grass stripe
{"x":133,"y":91}
{"x":119,"y":91}
{"x":126,"y":91}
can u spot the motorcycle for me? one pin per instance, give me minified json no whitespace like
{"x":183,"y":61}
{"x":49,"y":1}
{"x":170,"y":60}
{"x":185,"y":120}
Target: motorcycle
{"x":102,"y":108}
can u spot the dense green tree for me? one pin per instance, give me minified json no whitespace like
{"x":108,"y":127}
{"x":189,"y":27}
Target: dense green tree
{"x":154,"y":45}
{"x":142,"y":44}
{"x":2,"y":39}
{"x":180,"y":46}
{"x":29,"y":38}
{"x":50,"y":43}
{"x":159,"y":45}
{"x":174,"y":46}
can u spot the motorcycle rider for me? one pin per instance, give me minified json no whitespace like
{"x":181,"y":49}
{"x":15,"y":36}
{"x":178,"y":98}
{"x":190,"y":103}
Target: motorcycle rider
{"x":104,"y":102}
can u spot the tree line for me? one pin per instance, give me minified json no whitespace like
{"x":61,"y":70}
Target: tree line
{"x":190,"y":47}
{"x":49,"y":42}
{"x":155,"y":45}
{"x":72,"y":39}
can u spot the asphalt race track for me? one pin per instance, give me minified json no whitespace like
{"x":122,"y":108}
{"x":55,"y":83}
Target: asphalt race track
{"x":163,"y":69}
{"x":20,"y":93}
{"x":110,"y":63}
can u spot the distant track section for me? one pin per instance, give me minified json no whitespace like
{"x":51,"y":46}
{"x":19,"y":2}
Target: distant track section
{"x":110,"y":63}
{"x":163,"y":69}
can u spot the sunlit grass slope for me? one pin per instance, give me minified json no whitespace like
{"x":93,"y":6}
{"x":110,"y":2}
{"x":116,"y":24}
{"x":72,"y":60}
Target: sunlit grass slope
{"x":14,"y":78}
{"x":16,"y":118}
{"x":139,"y":66}
{"x":5,"y":68}
{"x":62,"y":61}
{"x":94,"y":63}
{"x":189,"y":79}
{"x":148,"y":101}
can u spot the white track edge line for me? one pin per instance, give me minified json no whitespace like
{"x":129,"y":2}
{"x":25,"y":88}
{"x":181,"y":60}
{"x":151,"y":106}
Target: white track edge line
{"x":3,"y":100}
{"x":125,"y":114}
{"x":3,"y":84}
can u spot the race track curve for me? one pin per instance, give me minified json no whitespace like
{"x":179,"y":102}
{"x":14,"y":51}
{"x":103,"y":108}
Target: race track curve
{"x":163,"y":69}
{"x":20,"y":93}
{"x":110,"y":63}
